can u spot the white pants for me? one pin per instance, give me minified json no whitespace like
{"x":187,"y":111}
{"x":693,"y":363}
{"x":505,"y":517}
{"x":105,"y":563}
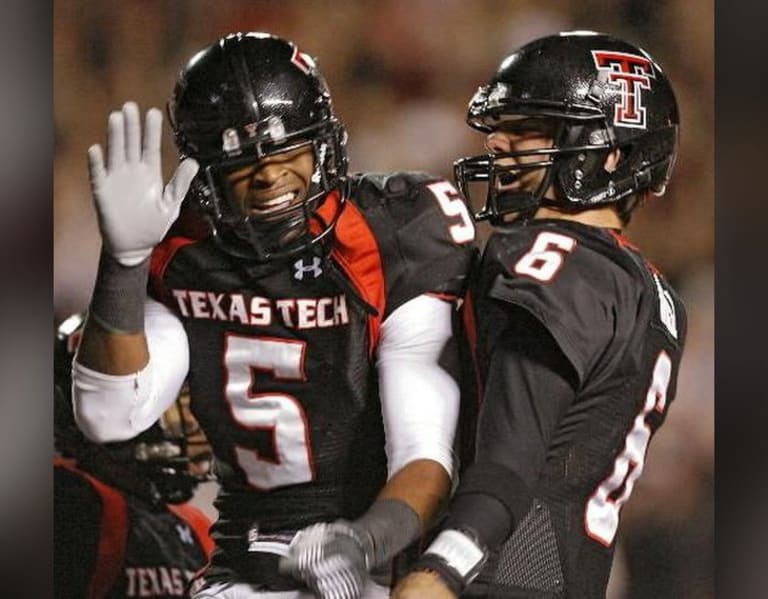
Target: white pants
{"x":243,"y":590}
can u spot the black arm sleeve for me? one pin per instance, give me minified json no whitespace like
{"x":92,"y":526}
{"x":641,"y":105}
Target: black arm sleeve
{"x":530,"y":384}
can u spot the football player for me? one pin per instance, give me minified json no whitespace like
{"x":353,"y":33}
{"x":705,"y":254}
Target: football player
{"x":123,"y":526}
{"x":312,"y":313}
{"x":579,"y":337}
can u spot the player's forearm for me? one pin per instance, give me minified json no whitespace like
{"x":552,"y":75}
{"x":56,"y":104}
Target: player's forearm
{"x":113,"y":340}
{"x":111,"y":353}
{"x":422,"y":484}
{"x":420,"y":400}
{"x":402,"y":510}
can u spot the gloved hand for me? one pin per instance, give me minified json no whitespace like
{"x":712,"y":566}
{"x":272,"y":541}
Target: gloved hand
{"x":135,"y":211}
{"x":331,"y":558}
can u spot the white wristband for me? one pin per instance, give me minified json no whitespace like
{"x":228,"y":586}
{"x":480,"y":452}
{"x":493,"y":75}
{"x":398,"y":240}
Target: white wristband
{"x":459,"y":552}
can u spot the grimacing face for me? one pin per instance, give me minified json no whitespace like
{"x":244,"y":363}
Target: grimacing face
{"x":265,"y":189}
{"x":522,"y":135}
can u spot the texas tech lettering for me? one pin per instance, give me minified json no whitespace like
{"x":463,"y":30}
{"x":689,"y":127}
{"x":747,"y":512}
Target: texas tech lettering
{"x":294,"y":313}
{"x":157,"y":582}
{"x":632,"y":73}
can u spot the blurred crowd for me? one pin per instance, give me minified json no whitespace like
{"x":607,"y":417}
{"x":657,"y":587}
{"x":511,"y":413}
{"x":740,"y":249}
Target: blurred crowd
{"x":401,"y":73}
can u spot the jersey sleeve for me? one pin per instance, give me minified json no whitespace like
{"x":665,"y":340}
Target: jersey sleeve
{"x":529,"y":386}
{"x":417,"y":366}
{"x":425,"y":234}
{"x":571,"y":292}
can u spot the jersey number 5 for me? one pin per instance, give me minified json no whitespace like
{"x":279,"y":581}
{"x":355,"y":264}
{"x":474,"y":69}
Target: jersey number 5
{"x":452,"y":204}
{"x":602,"y":515}
{"x":544,"y":259}
{"x":278,"y":418}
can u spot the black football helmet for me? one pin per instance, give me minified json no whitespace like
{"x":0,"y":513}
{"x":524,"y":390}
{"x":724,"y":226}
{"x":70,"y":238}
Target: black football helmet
{"x":163,"y":464}
{"x":595,"y":93}
{"x":248,"y":96}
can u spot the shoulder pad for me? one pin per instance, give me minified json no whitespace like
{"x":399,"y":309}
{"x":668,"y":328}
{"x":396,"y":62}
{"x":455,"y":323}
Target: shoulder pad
{"x":395,"y":184}
{"x":425,"y":234}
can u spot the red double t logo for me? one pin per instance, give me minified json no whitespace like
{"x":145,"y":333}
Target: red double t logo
{"x":633,"y":74}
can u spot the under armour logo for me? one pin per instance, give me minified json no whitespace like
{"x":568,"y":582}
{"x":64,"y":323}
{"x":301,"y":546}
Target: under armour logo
{"x":185,"y":534}
{"x":632,"y":73}
{"x":302,"y":268}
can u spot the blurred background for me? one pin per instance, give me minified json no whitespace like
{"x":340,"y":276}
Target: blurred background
{"x":401,"y":73}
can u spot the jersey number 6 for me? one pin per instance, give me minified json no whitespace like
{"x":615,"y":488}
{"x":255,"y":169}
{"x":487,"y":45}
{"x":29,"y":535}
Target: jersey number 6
{"x":602,"y":514}
{"x":278,"y":418}
{"x":544,"y":259}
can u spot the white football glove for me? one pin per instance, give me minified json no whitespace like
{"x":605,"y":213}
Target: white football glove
{"x":331,"y":560}
{"x":135,"y":211}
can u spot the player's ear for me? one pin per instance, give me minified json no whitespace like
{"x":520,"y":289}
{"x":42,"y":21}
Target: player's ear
{"x":612,"y":160}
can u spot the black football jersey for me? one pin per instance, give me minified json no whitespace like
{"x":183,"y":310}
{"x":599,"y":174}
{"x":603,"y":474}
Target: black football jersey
{"x":114,"y":545}
{"x":282,"y":360}
{"x":621,"y":327}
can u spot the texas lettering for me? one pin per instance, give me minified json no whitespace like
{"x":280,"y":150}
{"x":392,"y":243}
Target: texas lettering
{"x":295,"y":313}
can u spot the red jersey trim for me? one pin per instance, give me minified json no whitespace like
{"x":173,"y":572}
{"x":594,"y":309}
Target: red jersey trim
{"x":357,"y":252}
{"x":198,"y":521}
{"x":470,"y":328}
{"x":626,"y":243}
{"x":448,"y":297}
{"x":623,"y":241}
{"x":114,"y":532}
{"x":161,"y":258}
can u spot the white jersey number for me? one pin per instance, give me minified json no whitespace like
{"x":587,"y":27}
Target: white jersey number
{"x":452,"y":204}
{"x":602,"y":514}
{"x":277,"y":413}
{"x":544,"y":259}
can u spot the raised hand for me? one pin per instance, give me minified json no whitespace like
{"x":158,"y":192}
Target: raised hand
{"x":134,"y":209}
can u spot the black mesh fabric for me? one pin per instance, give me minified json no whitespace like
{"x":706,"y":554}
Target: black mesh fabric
{"x":530,"y":558}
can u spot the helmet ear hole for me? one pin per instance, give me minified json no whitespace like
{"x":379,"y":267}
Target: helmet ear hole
{"x":580,"y":175}
{"x":613,"y":160}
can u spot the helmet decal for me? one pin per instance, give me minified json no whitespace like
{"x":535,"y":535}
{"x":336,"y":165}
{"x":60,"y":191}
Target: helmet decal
{"x":631,"y":73}
{"x":302,"y":60}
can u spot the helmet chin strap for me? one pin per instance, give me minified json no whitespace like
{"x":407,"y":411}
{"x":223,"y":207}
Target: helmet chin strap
{"x":519,"y":203}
